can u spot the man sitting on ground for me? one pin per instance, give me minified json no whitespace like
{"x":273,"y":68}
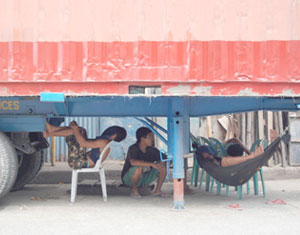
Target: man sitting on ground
{"x":142,"y":165}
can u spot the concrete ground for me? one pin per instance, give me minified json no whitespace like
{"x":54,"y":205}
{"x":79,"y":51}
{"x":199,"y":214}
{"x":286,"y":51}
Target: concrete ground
{"x":43,"y":208}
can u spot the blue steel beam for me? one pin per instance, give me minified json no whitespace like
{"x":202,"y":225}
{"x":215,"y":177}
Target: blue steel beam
{"x":120,"y":106}
{"x":204,"y":106}
{"x":20,"y":123}
{"x":61,"y":109}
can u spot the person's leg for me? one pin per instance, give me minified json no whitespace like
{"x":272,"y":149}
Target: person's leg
{"x":132,"y":178}
{"x":51,"y":128}
{"x":135,"y":178}
{"x":160,"y":180}
{"x":91,"y":163}
{"x":57,"y":131}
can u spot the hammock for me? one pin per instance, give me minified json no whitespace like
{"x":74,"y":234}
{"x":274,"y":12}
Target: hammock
{"x":240,"y":173}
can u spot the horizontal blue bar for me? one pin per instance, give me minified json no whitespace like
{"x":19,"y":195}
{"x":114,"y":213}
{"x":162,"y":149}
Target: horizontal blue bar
{"x":20,"y":123}
{"x":137,"y":106}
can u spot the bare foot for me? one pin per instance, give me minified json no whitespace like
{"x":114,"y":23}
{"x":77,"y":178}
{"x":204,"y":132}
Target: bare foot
{"x":48,"y":127}
{"x":259,"y":150}
{"x":91,"y":163}
{"x":135,"y":195}
{"x":45,"y":134}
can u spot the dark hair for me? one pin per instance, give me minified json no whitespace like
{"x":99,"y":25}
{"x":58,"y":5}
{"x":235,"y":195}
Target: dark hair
{"x":142,"y":132}
{"x":119,"y":131}
{"x":206,"y":149}
{"x":235,"y":150}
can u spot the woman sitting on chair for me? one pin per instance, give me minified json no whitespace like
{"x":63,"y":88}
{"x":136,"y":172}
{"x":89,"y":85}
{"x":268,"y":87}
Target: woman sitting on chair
{"x":76,"y":138}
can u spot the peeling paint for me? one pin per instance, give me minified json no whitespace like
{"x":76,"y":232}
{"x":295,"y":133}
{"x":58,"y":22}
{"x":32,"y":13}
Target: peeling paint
{"x":248,"y":92}
{"x":203,"y":91}
{"x":4,"y":91}
{"x":243,"y":77}
{"x":180,"y":90}
{"x":287,"y":89}
{"x":288,"y":92}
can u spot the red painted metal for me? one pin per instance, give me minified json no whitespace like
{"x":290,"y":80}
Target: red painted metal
{"x":188,"y":67}
{"x":178,"y":194}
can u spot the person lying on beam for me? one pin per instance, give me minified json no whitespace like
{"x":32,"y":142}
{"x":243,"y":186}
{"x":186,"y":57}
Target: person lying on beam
{"x":76,"y":138}
{"x":143,"y":166}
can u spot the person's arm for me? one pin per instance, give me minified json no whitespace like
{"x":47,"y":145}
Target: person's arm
{"x":100,"y":143}
{"x":135,"y":162}
{"x":155,"y":157}
{"x":237,"y":141}
{"x":105,"y":155}
{"x":230,"y":161}
{"x":159,"y":166}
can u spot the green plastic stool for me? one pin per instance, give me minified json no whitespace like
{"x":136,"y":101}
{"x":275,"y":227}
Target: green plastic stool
{"x":255,"y":144}
{"x":195,"y":170}
{"x":220,"y":149}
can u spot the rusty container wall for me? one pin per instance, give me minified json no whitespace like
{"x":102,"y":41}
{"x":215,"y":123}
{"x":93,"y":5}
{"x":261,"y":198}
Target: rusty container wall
{"x":193,"y":47}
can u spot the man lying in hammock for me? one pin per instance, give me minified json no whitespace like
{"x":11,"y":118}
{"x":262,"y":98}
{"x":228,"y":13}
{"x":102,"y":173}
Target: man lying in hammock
{"x":208,"y":153}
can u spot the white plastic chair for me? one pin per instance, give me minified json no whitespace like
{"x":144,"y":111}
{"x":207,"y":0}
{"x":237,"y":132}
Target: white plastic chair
{"x":97,"y":168}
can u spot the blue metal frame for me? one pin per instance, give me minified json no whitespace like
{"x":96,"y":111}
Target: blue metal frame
{"x":138,"y":106}
{"x":156,"y":125}
{"x":29,"y":114}
{"x":22,"y":123}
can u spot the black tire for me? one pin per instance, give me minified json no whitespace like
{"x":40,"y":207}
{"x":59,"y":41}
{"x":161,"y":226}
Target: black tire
{"x":29,"y":168}
{"x":41,"y":164}
{"x":8,"y":165}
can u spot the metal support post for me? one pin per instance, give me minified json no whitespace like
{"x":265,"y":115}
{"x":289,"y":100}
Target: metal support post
{"x":178,"y":163}
{"x":177,"y":121}
{"x":186,"y":142}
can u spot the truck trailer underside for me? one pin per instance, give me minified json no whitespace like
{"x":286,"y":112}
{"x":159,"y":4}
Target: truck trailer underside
{"x":23,"y":119}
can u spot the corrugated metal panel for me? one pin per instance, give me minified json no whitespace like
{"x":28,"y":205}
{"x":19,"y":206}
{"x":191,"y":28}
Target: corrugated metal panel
{"x":94,"y":126}
{"x":149,"y":20}
{"x":295,"y":139}
{"x":197,"y":47}
{"x":192,"y":68}
{"x":91,"y":124}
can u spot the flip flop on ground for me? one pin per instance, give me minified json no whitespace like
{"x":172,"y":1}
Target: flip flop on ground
{"x":163,"y":195}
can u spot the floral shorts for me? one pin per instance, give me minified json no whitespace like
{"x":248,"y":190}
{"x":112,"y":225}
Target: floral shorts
{"x":77,"y":156}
